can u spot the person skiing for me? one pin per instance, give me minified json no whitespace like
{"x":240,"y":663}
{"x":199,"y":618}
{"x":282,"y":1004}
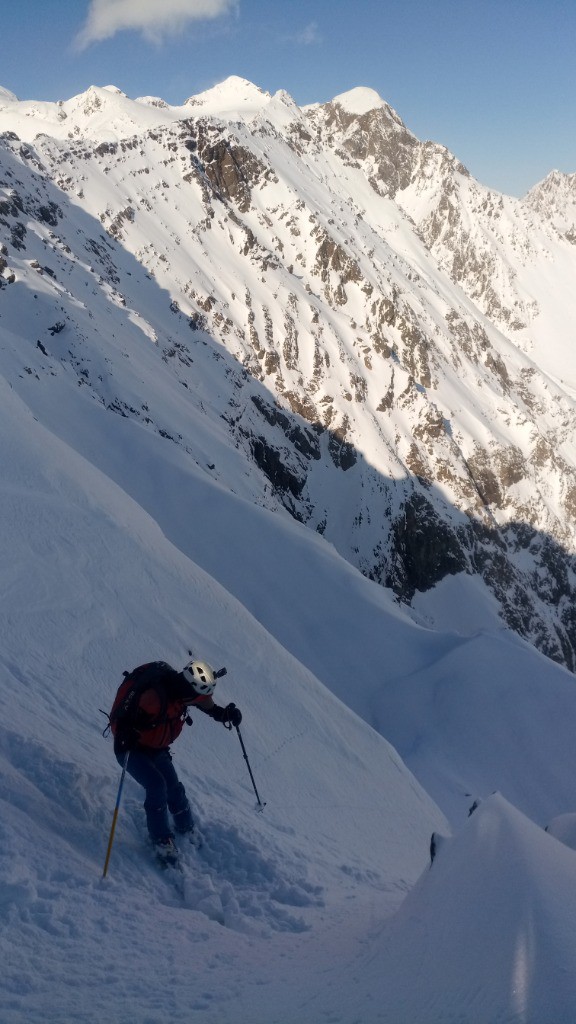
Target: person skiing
{"x":148,"y":714}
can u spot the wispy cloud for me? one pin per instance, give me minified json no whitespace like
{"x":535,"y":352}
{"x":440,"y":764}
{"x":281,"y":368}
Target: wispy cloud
{"x":304,"y":37}
{"x":154,"y":18}
{"x":307,"y":36}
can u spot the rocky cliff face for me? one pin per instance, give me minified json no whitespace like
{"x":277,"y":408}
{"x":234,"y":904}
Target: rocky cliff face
{"x":367,"y":329}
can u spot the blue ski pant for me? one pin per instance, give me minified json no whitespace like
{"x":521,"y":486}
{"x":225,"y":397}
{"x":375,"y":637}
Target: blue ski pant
{"x":154,"y":771}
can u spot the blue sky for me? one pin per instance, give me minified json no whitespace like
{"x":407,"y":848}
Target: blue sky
{"x":493,"y":80}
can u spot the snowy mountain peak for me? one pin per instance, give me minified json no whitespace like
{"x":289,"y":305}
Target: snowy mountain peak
{"x":360,"y":100}
{"x":114,"y":90}
{"x":153,"y":101}
{"x":233,"y":95}
{"x":555,"y":184}
{"x":99,"y":113}
{"x":555,"y":199}
{"x":6,"y":96}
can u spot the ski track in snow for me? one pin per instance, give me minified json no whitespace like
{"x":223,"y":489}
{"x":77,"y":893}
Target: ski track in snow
{"x":246,"y":933}
{"x":146,"y":941}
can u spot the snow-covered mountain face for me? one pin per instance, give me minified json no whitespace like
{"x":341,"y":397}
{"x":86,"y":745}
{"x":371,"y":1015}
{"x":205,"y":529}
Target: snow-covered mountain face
{"x":340,"y":323}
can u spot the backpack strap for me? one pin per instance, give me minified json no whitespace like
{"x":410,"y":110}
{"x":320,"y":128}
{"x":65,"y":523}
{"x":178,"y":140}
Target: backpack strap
{"x":108,"y":726}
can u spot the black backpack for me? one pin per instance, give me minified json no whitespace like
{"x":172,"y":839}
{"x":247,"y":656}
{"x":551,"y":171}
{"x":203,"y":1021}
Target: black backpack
{"x":126,"y":714}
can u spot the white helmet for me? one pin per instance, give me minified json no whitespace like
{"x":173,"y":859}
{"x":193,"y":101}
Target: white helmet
{"x":201,"y":675}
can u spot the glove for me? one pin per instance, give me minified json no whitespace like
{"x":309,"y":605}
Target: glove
{"x":232,"y":715}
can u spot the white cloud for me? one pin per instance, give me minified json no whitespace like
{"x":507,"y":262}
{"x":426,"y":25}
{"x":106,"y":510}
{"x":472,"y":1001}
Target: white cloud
{"x":154,"y":18}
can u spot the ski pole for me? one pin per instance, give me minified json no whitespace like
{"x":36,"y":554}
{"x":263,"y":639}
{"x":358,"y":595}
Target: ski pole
{"x":261,"y":805}
{"x":115,"y":815}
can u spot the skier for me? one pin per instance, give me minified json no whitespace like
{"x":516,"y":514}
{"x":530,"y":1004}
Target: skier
{"x":148,"y":714}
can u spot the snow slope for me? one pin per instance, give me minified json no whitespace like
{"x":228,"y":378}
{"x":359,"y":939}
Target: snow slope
{"x":288,"y":915}
{"x":122,"y":541}
{"x":497,"y":903}
{"x":91,"y":585}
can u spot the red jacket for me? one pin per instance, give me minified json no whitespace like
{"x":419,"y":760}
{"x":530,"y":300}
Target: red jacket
{"x":165,"y":731}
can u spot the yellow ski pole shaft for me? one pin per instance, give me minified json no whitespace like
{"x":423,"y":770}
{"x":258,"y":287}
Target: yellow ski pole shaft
{"x":115,"y":815}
